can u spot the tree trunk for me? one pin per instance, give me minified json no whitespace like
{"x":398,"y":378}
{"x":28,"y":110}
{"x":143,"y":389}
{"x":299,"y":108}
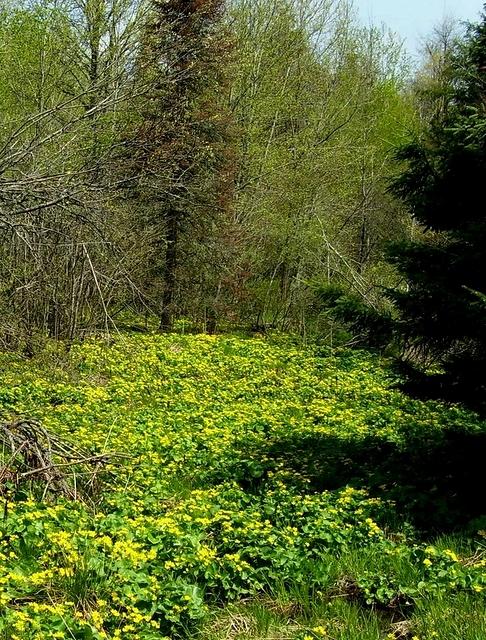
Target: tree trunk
{"x":169,"y":273}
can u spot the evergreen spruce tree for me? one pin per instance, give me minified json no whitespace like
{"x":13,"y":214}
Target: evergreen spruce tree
{"x":179,"y":146}
{"x":443,"y":309}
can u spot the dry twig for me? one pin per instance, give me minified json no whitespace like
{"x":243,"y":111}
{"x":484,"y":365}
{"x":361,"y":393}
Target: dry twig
{"x":31,"y":454}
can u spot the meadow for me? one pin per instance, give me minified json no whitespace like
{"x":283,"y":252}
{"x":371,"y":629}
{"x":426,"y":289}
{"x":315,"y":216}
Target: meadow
{"x":269,"y":491}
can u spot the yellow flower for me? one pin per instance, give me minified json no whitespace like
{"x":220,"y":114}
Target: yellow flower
{"x":320,"y":631}
{"x":205,"y":554}
{"x":97,"y":619}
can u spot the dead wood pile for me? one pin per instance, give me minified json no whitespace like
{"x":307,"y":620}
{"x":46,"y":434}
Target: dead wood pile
{"x":31,"y":455}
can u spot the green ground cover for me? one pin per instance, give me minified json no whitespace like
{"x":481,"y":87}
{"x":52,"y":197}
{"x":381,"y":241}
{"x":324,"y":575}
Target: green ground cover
{"x":271,"y":491}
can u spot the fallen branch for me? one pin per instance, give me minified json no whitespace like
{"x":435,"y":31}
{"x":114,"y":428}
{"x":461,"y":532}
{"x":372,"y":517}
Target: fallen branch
{"x":39,"y":457}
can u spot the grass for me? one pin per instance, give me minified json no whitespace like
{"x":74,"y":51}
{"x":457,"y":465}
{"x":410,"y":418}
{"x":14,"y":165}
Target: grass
{"x":270,"y":491}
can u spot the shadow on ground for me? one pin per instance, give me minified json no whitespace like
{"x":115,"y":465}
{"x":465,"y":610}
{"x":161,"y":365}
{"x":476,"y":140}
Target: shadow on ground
{"x":438,"y":486}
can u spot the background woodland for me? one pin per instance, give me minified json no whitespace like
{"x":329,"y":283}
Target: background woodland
{"x":198,"y":161}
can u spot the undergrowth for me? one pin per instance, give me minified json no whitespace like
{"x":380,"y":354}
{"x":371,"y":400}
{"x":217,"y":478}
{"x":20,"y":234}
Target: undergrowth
{"x":271,"y":491}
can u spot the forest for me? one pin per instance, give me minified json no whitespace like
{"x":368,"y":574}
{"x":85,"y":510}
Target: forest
{"x":242,"y":323}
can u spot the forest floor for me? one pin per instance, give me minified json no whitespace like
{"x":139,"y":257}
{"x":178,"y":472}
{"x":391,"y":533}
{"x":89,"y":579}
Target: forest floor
{"x":269,"y":491}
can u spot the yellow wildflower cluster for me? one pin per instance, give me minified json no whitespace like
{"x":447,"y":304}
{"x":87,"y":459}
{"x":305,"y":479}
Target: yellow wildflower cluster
{"x":223,"y":490}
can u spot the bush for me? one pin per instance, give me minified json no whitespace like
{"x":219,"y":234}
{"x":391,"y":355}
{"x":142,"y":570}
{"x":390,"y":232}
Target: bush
{"x":367,"y":325}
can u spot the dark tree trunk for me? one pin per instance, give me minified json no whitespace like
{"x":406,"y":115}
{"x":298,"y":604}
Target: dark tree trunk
{"x":169,"y":273}
{"x":211,"y":321}
{"x":94,"y":96}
